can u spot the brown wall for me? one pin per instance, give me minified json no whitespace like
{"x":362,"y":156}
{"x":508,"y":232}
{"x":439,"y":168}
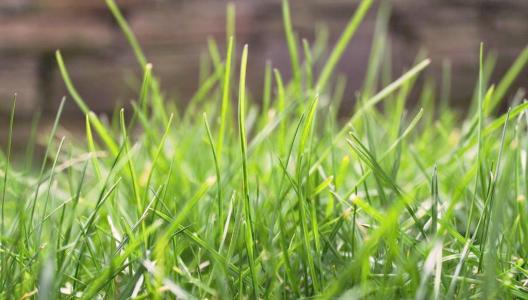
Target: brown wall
{"x":174,"y":32}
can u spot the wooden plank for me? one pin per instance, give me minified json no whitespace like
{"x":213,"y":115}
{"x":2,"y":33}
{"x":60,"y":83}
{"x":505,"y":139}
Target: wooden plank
{"x":84,"y":5}
{"x":45,"y":31}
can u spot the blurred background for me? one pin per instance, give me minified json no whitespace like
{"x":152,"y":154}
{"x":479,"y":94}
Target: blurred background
{"x":174,"y":36}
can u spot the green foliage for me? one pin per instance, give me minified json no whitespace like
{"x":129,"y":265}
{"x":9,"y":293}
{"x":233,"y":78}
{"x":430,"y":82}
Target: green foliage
{"x":280,"y":198}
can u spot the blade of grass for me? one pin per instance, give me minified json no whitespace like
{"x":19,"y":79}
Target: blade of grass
{"x":341,"y":45}
{"x":249,"y":232}
{"x":291,"y":41}
{"x":131,"y":168}
{"x":225,"y":98}
{"x":43,"y":165}
{"x":7,"y":164}
{"x":217,"y":170}
{"x":99,"y":127}
{"x":503,"y":86}
{"x":308,"y":64}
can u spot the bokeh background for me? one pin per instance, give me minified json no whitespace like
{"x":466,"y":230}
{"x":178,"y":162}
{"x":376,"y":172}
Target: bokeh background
{"x":173,"y":34}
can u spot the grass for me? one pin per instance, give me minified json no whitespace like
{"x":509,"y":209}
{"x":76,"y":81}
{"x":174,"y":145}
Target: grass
{"x":277,"y":197}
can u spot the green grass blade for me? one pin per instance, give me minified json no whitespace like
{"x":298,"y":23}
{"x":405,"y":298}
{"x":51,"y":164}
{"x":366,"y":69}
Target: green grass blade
{"x":131,"y":38}
{"x":291,"y":40}
{"x":504,"y":85}
{"x":225,"y":109}
{"x":7,"y":164}
{"x":341,"y":45}
{"x":99,"y":127}
{"x":250,"y":242}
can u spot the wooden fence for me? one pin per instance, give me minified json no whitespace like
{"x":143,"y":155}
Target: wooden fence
{"x":174,"y":32}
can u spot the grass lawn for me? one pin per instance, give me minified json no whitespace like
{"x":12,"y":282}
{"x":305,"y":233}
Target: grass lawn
{"x":279,"y":197}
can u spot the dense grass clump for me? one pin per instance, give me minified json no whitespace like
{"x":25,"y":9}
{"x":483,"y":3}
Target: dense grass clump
{"x":276,"y":197}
